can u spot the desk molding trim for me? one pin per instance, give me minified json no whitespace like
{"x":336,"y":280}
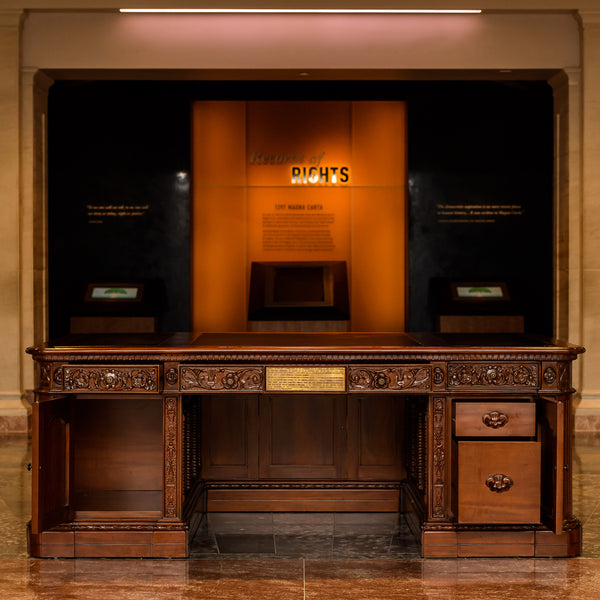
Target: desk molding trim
{"x":275,"y":356}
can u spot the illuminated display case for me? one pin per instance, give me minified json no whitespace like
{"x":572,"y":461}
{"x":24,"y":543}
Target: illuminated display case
{"x":116,"y":307}
{"x":308,"y":291}
{"x":477,"y":307}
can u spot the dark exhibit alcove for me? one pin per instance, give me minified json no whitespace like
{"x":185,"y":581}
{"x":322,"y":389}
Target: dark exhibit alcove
{"x":479,"y":172}
{"x":118,"y":206}
{"x":480,"y":194}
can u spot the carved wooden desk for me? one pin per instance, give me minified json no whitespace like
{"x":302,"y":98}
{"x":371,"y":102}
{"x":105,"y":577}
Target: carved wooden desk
{"x":135,"y":438}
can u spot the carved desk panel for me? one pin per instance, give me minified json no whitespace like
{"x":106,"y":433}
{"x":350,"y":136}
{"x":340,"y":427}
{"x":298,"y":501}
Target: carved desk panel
{"x":112,"y":378}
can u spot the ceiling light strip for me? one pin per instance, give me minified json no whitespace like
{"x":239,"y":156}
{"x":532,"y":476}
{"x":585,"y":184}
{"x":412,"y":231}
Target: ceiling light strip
{"x":299,"y":11}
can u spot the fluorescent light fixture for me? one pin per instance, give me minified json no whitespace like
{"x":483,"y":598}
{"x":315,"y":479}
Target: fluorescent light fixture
{"x":345,"y":11}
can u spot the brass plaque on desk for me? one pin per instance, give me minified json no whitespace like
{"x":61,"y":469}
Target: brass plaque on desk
{"x":306,"y":379}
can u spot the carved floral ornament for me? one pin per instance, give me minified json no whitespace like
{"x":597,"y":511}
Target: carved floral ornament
{"x":550,"y":376}
{"x":222,"y":378}
{"x":44,"y":375}
{"x":171,"y":376}
{"x":117,"y":379}
{"x":171,"y":419}
{"x":438,"y":376}
{"x":390,"y":378}
{"x":58,"y":377}
{"x":469,"y":374}
{"x":439,"y":459}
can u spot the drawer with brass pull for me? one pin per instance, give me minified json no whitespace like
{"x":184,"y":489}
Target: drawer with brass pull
{"x":498,"y":482}
{"x":495,"y":419}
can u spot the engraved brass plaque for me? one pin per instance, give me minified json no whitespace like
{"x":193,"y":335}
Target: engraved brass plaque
{"x":305,"y":379}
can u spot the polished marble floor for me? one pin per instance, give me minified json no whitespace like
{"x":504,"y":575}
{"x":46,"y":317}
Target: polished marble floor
{"x":296,"y":557}
{"x":304,"y":535}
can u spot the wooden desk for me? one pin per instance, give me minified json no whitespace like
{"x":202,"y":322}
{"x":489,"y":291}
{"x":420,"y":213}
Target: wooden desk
{"x":134,"y":437}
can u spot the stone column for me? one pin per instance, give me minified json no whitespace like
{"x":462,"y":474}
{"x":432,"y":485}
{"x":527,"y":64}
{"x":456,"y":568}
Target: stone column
{"x":590,"y":263}
{"x":34,"y":267}
{"x":567,"y":209}
{"x":13,"y":416}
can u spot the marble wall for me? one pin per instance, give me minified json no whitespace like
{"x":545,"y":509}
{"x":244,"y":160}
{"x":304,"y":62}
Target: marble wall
{"x":590,"y":213}
{"x":12,"y":412}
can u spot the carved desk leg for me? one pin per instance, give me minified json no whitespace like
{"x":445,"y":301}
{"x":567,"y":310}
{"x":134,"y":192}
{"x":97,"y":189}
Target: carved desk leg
{"x":439,"y":535}
{"x":170,"y":538}
{"x":571,"y":525}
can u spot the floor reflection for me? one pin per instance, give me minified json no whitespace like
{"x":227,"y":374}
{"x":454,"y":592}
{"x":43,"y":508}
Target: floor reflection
{"x":332,"y":556}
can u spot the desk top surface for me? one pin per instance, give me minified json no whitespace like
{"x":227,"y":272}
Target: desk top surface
{"x":414,"y":344}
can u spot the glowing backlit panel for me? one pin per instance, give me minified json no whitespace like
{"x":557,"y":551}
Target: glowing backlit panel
{"x":295,"y":181}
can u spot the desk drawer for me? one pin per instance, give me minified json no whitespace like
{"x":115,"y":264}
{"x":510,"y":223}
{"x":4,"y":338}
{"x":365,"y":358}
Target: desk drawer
{"x":111,"y":378}
{"x":495,"y":419}
{"x":498,"y":482}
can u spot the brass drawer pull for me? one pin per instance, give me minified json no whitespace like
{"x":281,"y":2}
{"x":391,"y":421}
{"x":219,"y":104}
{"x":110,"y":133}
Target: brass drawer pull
{"x":499,"y":483}
{"x":495,"y":419}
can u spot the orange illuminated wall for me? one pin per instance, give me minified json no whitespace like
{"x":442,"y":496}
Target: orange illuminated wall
{"x":299,"y":181}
